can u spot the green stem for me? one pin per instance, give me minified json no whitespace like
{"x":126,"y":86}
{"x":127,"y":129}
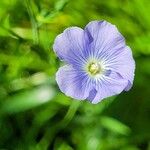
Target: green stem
{"x":33,"y":22}
{"x":51,"y":132}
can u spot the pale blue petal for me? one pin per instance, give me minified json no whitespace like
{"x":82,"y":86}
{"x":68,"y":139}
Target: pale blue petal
{"x":106,"y":38}
{"x":73,"y":82}
{"x":70,"y":45}
{"x":108,"y":86}
{"x":124,"y":64}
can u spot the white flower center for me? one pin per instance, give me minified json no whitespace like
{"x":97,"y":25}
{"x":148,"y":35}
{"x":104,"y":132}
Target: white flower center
{"x":94,"y":68}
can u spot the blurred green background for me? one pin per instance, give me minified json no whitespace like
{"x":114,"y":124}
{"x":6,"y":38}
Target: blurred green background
{"x":34,"y":114}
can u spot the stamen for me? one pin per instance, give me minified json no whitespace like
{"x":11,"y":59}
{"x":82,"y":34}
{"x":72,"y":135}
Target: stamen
{"x":94,"y":68}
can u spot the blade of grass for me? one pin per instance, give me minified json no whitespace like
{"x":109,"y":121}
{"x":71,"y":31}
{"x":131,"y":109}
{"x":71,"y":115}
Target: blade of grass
{"x":33,"y":22}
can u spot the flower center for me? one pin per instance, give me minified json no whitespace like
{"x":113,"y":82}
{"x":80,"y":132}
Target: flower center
{"x":94,"y":68}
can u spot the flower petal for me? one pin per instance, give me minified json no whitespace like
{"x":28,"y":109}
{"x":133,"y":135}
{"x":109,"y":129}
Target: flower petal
{"x":124,"y":64}
{"x":70,"y":44}
{"x":106,"y":38}
{"x":110,"y":47}
{"x":73,"y":83}
{"x":92,"y":94}
{"x":108,"y":86}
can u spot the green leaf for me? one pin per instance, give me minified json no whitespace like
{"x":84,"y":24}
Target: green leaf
{"x":114,"y":125}
{"x":60,"y":4}
{"x":27,"y":100}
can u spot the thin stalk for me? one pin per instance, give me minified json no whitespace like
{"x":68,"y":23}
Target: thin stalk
{"x":34,"y":23}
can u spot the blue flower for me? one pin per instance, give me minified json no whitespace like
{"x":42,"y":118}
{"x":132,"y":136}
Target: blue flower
{"x":98,"y":62}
